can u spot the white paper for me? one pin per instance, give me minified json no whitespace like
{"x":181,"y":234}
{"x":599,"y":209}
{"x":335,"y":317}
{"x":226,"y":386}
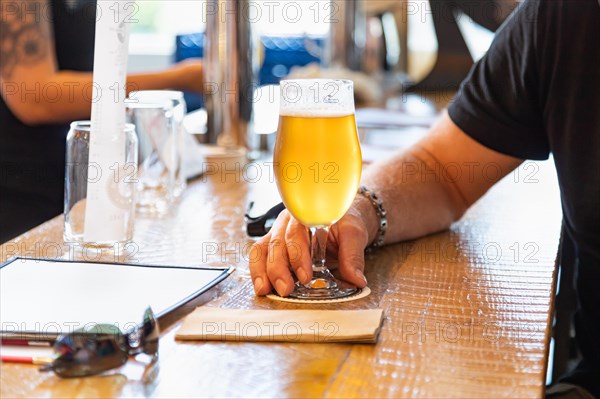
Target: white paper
{"x":47,"y":296}
{"x":104,"y":217}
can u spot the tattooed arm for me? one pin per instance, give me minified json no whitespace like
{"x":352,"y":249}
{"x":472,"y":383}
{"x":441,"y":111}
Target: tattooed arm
{"x":28,"y":67}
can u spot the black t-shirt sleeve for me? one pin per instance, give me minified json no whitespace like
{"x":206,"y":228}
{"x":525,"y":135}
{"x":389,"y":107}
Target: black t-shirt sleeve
{"x":498,"y":103}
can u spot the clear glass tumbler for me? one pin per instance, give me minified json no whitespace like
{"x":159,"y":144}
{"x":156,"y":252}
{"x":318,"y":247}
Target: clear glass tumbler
{"x":174,"y":105}
{"x":78,"y":172}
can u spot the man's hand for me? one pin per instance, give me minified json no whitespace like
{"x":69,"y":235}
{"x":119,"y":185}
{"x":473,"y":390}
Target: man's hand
{"x":285,"y":250}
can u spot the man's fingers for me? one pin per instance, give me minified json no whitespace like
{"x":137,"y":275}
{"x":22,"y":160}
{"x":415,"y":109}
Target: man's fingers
{"x":296,"y":241}
{"x":277,"y":260}
{"x":288,"y":244}
{"x":352,"y":242}
{"x":258,"y":265}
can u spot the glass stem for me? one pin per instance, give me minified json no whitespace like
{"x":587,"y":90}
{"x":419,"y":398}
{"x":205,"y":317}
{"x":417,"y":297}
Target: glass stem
{"x":318,"y":248}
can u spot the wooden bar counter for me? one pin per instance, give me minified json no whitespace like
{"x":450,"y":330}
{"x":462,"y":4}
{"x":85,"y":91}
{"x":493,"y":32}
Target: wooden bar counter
{"x":467,"y":311}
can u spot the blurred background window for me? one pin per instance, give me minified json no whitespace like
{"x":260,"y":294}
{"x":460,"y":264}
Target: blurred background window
{"x":158,"y":23}
{"x":155,"y":25}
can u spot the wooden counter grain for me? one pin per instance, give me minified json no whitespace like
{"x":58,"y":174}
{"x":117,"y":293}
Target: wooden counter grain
{"x":467,"y":310}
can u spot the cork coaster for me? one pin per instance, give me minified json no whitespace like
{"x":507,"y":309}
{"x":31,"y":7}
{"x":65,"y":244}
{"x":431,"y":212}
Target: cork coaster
{"x":361,"y":293}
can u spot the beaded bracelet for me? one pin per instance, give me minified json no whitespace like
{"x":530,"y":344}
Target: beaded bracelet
{"x":381,"y":213}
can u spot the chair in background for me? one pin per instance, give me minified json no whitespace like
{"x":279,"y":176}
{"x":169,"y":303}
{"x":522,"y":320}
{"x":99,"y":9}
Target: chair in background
{"x":280,"y":55}
{"x":190,"y":46}
{"x":454,"y":60}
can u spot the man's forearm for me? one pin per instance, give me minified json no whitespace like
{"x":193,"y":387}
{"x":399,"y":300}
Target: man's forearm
{"x":415,"y":198}
{"x":432,"y":184}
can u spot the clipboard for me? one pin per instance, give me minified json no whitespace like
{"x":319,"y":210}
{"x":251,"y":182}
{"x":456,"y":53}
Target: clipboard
{"x":43,"y":298}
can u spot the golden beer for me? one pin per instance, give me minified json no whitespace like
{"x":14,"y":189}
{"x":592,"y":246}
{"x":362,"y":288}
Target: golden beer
{"x":317,"y":163}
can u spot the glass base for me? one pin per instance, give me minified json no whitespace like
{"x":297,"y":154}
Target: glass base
{"x":157,"y":208}
{"x":323,"y":286}
{"x":91,"y":251}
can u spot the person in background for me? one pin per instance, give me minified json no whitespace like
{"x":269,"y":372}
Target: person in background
{"x":535,"y":93}
{"x":46,"y":59}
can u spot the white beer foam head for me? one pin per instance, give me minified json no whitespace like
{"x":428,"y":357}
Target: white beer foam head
{"x":309,"y":98}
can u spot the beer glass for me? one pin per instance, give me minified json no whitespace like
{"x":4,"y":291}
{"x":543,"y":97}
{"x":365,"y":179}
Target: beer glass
{"x":317,"y":164}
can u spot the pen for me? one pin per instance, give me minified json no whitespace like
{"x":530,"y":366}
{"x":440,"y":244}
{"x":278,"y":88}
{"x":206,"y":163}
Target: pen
{"x":24,"y":342}
{"x":24,"y":359}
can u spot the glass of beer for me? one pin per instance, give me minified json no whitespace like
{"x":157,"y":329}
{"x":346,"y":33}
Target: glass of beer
{"x":317,"y":163}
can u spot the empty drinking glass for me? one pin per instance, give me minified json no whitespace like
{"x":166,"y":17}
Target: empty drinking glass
{"x":158,"y":117}
{"x":79,"y":171}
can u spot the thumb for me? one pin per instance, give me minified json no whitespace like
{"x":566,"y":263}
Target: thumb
{"x":351,"y":255}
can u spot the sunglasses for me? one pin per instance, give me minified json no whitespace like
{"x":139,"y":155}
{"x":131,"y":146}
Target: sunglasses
{"x":257,"y":226}
{"x":103,"y":347}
